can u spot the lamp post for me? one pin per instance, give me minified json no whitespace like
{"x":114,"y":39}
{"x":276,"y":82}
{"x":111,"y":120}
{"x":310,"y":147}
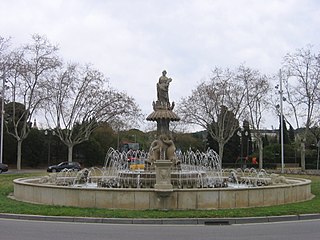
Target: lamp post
{"x":243,"y":133}
{"x":246,"y":133}
{"x":239,"y":133}
{"x":49,"y":134}
{"x":281,"y":120}
{"x":2,"y":116}
{"x":318,"y":146}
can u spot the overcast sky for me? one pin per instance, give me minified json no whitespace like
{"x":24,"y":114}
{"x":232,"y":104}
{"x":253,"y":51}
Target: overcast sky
{"x":132,"y":41}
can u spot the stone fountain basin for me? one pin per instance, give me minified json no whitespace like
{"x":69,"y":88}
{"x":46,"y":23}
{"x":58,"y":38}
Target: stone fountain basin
{"x":31,"y":190}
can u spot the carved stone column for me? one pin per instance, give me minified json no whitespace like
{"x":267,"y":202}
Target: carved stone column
{"x":163,"y":175}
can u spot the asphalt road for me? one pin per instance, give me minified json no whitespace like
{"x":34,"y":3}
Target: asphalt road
{"x":36,"y":230}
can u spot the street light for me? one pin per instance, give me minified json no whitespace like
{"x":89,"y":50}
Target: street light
{"x":2,"y":116}
{"x":47,"y":133}
{"x":318,"y":146}
{"x":241,"y":133}
{"x":246,"y":133}
{"x":281,"y":120}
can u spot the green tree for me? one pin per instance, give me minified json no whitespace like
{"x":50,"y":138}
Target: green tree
{"x":286,"y":139}
{"x":35,"y":149}
{"x":92,"y":152}
{"x":265,"y":140}
{"x":186,"y":141}
{"x":9,"y":149}
{"x":291,"y":134}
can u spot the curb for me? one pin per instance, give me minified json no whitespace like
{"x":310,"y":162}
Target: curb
{"x":167,"y":221}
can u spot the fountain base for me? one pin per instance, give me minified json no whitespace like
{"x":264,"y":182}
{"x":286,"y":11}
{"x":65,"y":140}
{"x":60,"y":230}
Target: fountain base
{"x":31,"y":190}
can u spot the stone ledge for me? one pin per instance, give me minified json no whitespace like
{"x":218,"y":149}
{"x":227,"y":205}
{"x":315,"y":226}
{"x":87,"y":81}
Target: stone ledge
{"x":159,"y":221}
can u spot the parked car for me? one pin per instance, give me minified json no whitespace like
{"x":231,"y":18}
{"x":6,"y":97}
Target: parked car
{"x":3,"y":167}
{"x":64,"y":165}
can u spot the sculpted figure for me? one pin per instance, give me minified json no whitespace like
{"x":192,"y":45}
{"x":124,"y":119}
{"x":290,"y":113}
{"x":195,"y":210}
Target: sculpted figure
{"x":162,"y":148}
{"x":169,"y":148}
{"x":154,"y":151}
{"x":277,"y":179}
{"x":163,"y":88}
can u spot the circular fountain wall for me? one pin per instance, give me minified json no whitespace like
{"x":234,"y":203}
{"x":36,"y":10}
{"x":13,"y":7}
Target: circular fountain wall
{"x":198,"y":183}
{"x":31,"y":190}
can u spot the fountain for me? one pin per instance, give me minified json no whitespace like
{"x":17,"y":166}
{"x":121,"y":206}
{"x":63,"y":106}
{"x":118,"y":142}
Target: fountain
{"x":169,"y":179}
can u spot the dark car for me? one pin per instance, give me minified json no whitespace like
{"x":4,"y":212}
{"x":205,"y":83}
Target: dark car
{"x":64,"y":165}
{"x":3,"y":167}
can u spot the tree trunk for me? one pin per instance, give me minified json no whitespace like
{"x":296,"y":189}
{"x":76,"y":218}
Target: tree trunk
{"x":303,"y":155}
{"x":260,"y":154}
{"x":70,"y":150}
{"x":221,"y":147}
{"x":19,"y":147}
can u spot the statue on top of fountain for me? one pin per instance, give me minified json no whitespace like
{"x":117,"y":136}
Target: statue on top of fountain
{"x":163,"y":147}
{"x":163,"y":93}
{"x":163,"y":88}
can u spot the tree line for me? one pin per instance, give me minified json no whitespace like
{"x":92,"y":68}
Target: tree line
{"x":42,"y":147}
{"x":244,"y":93}
{"x":73,"y":99}
{"x":76,"y":99}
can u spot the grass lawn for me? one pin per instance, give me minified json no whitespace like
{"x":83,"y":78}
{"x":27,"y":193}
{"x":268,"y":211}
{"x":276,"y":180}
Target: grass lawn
{"x":8,"y":205}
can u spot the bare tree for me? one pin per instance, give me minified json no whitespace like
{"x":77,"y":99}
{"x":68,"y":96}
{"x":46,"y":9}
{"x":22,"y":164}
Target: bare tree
{"x":29,"y":68}
{"x":256,"y":91}
{"x":4,"y":46}
{"x":216,"y":106}
{"x":302,"y":90}
{"x":80,"y":99}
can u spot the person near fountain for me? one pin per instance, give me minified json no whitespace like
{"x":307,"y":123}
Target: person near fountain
{"x":163,"y":88}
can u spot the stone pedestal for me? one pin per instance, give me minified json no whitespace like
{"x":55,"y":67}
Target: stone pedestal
{"x":163,"y":176}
